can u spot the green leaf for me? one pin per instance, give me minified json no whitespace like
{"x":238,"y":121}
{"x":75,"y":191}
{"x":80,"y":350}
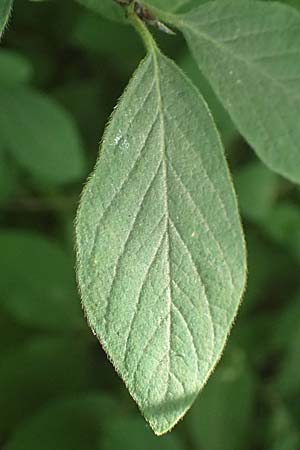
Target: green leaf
{"x":41,"y":135}
{"x":5,"y":9}
{"x":168,"y":5}
{"x":132,"y":433}
{"x":250,"y":52}
{"x":293,"y":3}
{"x":222,"y":416}
{"x":40,"y":371}
{"x":14,"y":68}
{"x":161,"y":258}
{"x":223,"y":121}
{"x":37,"y":286}
{"x":68,"y":424}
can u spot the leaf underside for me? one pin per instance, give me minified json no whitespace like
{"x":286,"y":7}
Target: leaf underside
{"x":250,"y":52}
{"x":161,"y":258}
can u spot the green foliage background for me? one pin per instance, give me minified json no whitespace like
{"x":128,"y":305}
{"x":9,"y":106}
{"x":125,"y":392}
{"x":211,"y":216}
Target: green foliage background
{"x":62,"y":69}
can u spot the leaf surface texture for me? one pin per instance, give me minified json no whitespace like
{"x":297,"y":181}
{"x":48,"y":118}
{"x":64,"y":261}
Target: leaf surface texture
{"x":250,"y":52}
{"x":161,"y":258}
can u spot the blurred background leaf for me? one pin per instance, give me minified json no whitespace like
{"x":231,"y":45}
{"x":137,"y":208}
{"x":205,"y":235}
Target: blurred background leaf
{"x":37,"y":285}
{"x":73,"y":424}
{"x":43,"y":368}
{"x":222,"y":417}
{"x":256,"y":202}
{"x":14,"y":68}
{"x":284,"y":432}
{"x":47,"y":144}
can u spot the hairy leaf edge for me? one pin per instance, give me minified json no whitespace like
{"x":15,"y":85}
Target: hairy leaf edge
{"x":243,"y":282}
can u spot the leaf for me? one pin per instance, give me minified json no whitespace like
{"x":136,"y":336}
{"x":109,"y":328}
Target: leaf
{"x":250,"y":52}
{"x":5,"y":9}
{"x":41,"y":370}
{"x":47,"y":143}
{"x":223,"y":121}
{"x":37,"y":286}
{"x":222,"y":416}
{"x":168,"y":5}
{"x":132,"y":433}
{"x":161,"y":258}
{"x":68,"y":424}
{"x":14,"y":68}
{"x":293,"y":3}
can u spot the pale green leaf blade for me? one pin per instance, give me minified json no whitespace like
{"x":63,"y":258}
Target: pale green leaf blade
{"x":250,"y":52}
{"x":168,"y":5}
{"x":41,"y":135}
{"x":5,"y":9}
{"x":223,"y":121}
{"x":293,"y":3}
{"x":161,"y":258}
